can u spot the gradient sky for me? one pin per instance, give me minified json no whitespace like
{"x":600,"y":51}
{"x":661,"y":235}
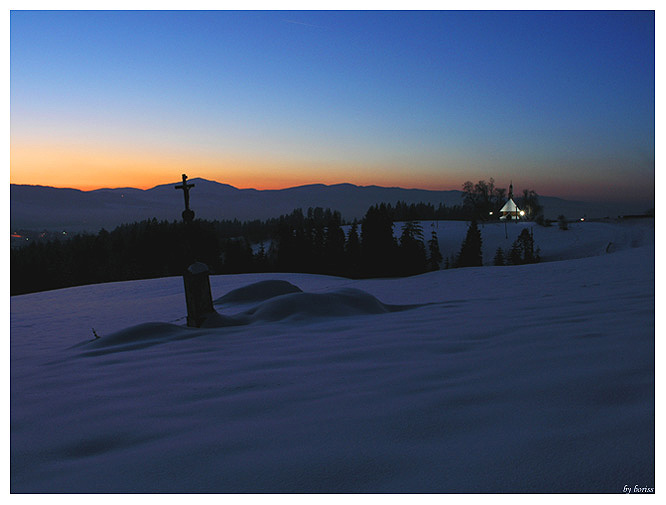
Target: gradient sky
{"x":561,"y":102}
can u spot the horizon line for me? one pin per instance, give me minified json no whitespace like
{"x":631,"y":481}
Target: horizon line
{"x":175,"y":182}
{"x":87,"y":189}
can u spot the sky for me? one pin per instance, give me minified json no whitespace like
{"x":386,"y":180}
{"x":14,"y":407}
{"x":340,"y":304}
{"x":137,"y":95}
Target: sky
{"x":559,"y":102}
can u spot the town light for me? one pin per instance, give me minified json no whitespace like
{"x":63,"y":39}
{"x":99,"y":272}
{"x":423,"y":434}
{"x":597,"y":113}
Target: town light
{"x":522,"y":212}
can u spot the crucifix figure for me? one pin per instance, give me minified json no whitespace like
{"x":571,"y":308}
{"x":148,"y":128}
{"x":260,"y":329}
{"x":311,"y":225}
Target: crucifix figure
{"x":188,"y":215}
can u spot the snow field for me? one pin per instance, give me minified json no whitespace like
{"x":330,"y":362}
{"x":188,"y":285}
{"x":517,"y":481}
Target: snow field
{"x":536,"y":378}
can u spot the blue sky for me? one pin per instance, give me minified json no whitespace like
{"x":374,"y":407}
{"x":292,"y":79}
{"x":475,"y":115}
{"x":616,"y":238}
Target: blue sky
{"x":562,"y":102}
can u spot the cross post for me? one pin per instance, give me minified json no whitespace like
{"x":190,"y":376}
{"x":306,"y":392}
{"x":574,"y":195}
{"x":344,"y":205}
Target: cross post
{"x":198,"y":297}
{"x":188,"y":215}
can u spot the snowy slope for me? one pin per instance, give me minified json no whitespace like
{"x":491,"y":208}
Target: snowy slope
{"x":581,"y":240}
{"x":537,"y":378}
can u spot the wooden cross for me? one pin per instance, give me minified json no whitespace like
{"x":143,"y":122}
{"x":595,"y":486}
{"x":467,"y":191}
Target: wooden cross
{"x":186,"y":190}
{"x":188,"y":215}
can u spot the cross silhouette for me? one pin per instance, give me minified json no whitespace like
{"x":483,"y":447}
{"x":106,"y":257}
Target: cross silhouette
{"x":188,"y":215}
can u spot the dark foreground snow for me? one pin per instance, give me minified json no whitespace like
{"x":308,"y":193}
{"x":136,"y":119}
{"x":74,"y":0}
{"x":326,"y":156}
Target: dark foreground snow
{"x":537,"y":378}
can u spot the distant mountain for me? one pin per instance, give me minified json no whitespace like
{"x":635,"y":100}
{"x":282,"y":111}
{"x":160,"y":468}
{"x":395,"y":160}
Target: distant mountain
{"x":48,"y":208}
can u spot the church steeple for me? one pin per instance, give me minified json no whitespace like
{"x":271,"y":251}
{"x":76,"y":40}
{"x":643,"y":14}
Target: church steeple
{"x":510,"y":210}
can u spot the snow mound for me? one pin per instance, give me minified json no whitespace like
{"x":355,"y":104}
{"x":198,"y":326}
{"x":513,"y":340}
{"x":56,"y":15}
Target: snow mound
{"x":344,"y":302}
{"x":258,"y":292}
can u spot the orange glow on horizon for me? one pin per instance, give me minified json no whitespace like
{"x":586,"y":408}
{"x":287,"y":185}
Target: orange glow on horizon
{"x":89,"y":168}
{"x":265,"y":182}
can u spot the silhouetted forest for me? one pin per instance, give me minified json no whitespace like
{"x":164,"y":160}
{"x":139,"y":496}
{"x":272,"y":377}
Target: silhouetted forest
{"x":307,"y":242}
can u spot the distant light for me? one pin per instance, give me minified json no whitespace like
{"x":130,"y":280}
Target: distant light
{"x":64,"y":233}
{"x":582,"y":219}
{"x":522,"y":212}
{"x":491,"y":213}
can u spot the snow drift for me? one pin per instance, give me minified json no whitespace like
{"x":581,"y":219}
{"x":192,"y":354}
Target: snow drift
{"x":295,"y":306}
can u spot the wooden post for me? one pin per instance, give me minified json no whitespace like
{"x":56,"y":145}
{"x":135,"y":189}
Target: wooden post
{"x":197,"y":294}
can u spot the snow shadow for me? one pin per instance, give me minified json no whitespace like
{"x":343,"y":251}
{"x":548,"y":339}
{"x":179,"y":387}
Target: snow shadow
{"x":275,"y":301}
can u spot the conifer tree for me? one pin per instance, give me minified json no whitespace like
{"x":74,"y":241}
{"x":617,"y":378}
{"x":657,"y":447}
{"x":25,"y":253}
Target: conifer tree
{"x":353,"y":251}
{"x":435,"y":257}
{"x":527,"y":246}
{"x":316,"y":258}
{"x":470,"y":252}
{"x":334,"y":245}
{"x":412,"y":256}
{"x":260,"y":258}
{"x":522,"y":250}
{"x":515,"y":256}
{"x":378,"y":246}
{"x":499,"y":257}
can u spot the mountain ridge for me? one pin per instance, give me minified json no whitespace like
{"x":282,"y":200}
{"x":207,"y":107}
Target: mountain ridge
{"x":38,"y":207}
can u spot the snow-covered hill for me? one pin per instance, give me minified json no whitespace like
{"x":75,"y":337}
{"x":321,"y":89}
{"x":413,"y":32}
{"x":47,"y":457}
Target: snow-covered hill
{"x":536,"y":378}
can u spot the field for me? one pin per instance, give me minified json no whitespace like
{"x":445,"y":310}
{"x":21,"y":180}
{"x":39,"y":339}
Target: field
{"x":534,"y":378}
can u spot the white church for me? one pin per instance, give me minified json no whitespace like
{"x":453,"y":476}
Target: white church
{"x":510,"y":210}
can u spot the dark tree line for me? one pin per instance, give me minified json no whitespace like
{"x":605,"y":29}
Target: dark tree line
{"x":428,"y":212}
{"x":141,"y":250}
{"x":307,"y":242}
{"x":370,"y":248}
{"x":522,"y":252}
{"x":311,"y":242}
